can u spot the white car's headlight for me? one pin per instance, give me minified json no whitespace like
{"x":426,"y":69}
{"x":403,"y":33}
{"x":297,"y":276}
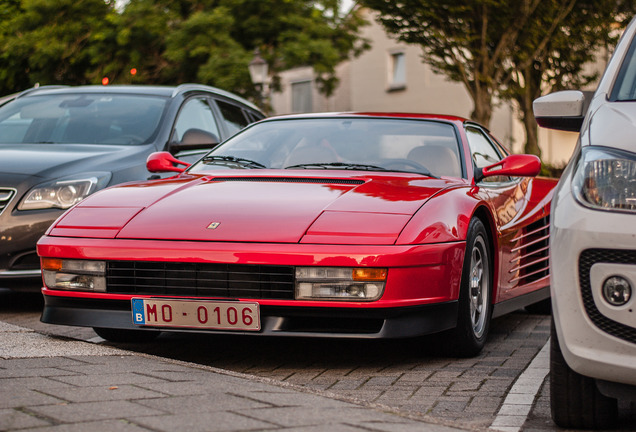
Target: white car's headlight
{"x":340,"y":283}
{"x":606,"y":180}
{"x":64,"y":193}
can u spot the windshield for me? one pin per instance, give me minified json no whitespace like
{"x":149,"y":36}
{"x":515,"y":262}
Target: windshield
{"x":625,"y":85}
{"x":367,"y":144}
{"x":81,"y":119}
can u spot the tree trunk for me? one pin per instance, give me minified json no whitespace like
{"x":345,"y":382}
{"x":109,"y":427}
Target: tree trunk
{"x":482,"y":100}
{"x":532,"y":77}
{"x":530,"y":124}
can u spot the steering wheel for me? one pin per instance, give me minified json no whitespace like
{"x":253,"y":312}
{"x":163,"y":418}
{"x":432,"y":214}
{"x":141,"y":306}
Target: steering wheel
{"x":401,"y":163}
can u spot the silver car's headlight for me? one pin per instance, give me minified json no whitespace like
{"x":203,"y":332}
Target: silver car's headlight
{"x":64,"y":193}
{"x":605,"y":179}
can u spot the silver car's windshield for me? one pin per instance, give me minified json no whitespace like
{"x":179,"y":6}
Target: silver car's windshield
{"x":366,"y":144}
{"x":81,"y":119}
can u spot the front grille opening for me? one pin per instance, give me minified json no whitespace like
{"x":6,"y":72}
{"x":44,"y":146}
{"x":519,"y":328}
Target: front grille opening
{"x":332,"y":325}
{"x":201,"y":280}
{"x":6,"y":195}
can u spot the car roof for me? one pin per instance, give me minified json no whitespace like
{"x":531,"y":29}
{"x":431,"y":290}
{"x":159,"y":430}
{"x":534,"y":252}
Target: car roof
{"x":419,"y":116}
{"x":153,"y":90}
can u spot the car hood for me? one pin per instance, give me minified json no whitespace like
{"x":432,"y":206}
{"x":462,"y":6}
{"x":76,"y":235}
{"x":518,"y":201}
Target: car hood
{"x":614,"y":125}
{"x":349,"y":209}
{"x":56,"y":160}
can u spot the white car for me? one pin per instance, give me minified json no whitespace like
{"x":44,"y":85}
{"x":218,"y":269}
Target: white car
{"x":593,"y":247}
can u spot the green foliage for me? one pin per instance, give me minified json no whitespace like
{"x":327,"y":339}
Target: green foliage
{"x":170,"y":41}
{"x":46,"y":42}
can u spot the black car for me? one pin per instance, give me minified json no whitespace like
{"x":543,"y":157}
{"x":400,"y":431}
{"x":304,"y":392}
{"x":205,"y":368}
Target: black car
{"x":60,"y":144}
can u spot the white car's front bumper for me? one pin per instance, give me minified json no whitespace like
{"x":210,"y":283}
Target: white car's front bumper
{"x":588,"y":246}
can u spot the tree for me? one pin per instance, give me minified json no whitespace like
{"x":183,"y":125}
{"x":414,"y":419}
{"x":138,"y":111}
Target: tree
{"x":469,"y":41}
{"x":593,"y":26}
{"x":135,"y":38}
{"x":507,"y":49}
{"x":171,"y":41}
{"x":46,"y":42}
{"x":218,"y":40}
{"x":299,"y":33}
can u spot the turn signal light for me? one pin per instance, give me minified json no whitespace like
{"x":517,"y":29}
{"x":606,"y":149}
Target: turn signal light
{"x":54,"y":264}
{"x":369,"y":274}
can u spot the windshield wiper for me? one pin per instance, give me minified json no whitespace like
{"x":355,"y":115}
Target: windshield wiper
{"x":232,"y":161}
{"x":353,"y":166}
{"x":338,"y":165}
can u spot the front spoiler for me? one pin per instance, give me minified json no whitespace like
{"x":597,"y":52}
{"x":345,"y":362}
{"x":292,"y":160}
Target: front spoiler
{"x":340,"y":322}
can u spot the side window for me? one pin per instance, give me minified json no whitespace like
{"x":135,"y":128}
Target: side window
{"x":195,"y":114}
{"x":253,"y":117}
{"x":483,"y":152}
{"x":233,"y":117}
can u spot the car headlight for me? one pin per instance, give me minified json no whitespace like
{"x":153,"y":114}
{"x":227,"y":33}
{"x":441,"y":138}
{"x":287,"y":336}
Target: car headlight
{"x":340,"y":283}
{"x":605,"y":179}
{"x":64,"y":193}
{"x":74,"y":275}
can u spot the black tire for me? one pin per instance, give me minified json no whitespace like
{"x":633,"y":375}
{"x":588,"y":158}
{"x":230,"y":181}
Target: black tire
{"x":575,"y":401}
{"x":468,"y":338}
{"x":543,"y":307}
{"x":124,"y":335}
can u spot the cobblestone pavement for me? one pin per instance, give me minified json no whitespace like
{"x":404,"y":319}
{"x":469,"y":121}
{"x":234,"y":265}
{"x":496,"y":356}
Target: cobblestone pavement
{"x":408,"y":376}
{"x":54,"y":384}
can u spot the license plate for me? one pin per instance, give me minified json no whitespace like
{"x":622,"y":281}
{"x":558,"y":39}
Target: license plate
{"x":216,"y":315}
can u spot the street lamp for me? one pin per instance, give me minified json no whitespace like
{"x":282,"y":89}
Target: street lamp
{"x":258,"y":72}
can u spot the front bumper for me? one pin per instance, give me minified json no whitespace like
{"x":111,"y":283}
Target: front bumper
{"x":587,"y":246}
{"x":420,"y":296}
{"x":19,"y":233}
{"x":21,"y":280}
{"x":275,"y":320}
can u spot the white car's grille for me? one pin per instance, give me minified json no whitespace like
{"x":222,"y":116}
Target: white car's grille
{"x":587,"y":259}
{"x":6,"y":195}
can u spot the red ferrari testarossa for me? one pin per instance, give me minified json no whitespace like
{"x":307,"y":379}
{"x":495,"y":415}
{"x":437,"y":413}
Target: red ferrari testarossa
{"x":363,"y":225}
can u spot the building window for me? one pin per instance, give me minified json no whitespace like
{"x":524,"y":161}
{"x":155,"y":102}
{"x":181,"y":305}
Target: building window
{"x":397,"y":71}
{"x":301,"y":97}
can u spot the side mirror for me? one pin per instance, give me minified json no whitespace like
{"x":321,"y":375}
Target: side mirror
{"x":523,"y":165}
{"x":194,"y":139}
{"x":563,"y":110}
{"x":164,"y":162}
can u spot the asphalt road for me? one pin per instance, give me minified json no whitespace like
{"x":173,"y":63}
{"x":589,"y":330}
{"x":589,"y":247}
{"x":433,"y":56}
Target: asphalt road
{"x":407,"y":376}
